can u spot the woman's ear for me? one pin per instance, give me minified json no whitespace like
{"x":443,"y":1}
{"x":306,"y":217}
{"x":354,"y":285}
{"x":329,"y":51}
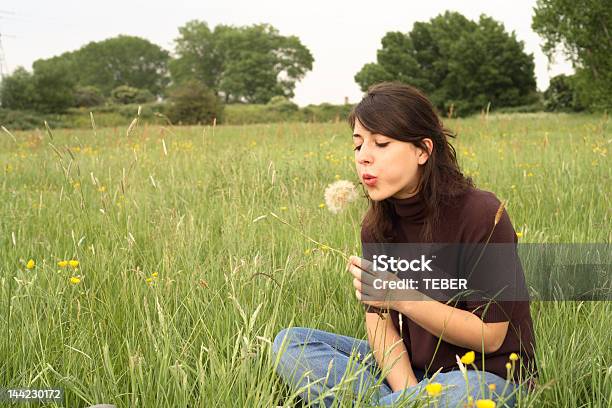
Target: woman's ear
{"x":422,"y":154}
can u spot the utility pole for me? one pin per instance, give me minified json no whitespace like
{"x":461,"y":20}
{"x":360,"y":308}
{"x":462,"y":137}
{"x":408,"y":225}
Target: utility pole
{"x":3,"y":65}
{"x":4,"y":70}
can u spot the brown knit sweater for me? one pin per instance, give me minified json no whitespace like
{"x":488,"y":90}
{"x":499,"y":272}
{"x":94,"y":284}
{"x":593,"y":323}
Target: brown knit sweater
{"x":468,"y":220}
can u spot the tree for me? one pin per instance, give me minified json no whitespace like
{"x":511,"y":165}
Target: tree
{"x":17,"y":90}
{"x":582,"y":31}
{"x":49,"y":89}
{"x":54,"y":86}
{"x":199,"y":54}
{"x":243,"y":64}
{"x":457,"y":62}
{"x":122,"y":60}
{"x":193,"y":103}
{"x":561,"y":94}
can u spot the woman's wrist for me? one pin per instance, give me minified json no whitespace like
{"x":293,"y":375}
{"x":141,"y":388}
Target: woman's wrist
{"x":410,"y":381}
{"x":404,"y":306}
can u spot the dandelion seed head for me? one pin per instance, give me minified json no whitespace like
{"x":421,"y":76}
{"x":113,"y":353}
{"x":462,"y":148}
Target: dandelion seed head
{"x":339,"y":194}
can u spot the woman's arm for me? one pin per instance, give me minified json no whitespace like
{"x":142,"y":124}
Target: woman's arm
{"x":383,"y":336}
{"x":455,"y":326}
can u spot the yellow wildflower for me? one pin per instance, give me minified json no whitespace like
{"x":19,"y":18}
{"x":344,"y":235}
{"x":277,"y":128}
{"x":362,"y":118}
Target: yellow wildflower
{"x":62,"y":264}
{"x":485,"y":403}
{"x":31,"y":264}
{"x":75,"y":280}
{"x":433,"y":389}
{"x":514,"y":357}
{"x":337,"y":177}
{"x":322,"y":205}
{"x":508,"y":366}
{"x":519,"y":234}
{"x":283,"y":208}
{"x":492,"y":387}
{"x":149,"y":280}
{"x":154,"y":274}
{"x":73,"y":263}
{"x":468,"y":358}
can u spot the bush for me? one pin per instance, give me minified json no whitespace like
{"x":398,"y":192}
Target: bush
{"x":326,"y":112}
{"x":25,"y":120}
{"x":193,"y":103}
{"x":86,"y":96}
{"x":282,"y":104}
{"x":240,"y":114}
{"x":144,"y":96}
{"x":125,"y":94}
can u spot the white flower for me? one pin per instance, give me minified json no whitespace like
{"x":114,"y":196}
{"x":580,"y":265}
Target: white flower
{"x":339,"y":194}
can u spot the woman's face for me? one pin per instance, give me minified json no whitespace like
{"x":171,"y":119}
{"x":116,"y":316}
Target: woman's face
{"x":387,"y":167}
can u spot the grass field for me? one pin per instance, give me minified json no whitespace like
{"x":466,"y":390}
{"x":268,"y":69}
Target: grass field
{"x":179,"y":292}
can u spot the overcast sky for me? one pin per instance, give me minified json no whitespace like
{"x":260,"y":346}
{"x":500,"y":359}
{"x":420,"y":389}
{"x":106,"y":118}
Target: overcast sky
{"x":342,"y":35}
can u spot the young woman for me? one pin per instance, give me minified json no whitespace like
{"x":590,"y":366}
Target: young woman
{"x":417,"y":194}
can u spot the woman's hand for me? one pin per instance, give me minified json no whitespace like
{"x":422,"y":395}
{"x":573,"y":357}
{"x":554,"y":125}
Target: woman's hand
{"x":369,"y":284}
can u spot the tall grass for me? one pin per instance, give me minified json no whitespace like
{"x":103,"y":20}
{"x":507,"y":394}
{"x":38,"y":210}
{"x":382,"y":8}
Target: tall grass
{"x":182,"y":202}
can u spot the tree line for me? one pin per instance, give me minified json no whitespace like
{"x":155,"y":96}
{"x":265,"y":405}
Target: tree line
{"x":463,"y":65}
{"x":250,"y":64}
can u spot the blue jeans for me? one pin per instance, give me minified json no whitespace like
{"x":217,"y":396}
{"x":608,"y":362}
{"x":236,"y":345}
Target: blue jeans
{"x":315,"y":361}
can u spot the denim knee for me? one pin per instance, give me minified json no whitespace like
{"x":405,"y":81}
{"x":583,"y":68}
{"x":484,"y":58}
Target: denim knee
{"x":292,"y":334}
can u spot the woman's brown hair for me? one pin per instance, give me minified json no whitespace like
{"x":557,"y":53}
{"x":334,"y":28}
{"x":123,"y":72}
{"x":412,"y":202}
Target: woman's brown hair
{"x":404,"y":113}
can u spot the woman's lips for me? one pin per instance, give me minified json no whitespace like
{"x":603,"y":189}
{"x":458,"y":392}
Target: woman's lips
{"x":369,"y":180}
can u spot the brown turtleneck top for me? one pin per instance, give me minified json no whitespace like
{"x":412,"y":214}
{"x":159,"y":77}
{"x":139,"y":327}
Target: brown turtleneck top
{"x":468,"y":220}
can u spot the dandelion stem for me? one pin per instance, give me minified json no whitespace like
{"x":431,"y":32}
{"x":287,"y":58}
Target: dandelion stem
{"x":310,"y":239}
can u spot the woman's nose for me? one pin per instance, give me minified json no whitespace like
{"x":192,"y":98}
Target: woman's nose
{"x":363,"y":155}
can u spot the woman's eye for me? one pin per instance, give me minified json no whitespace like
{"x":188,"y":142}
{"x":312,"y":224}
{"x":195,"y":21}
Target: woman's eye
{"x":377,"y":144}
